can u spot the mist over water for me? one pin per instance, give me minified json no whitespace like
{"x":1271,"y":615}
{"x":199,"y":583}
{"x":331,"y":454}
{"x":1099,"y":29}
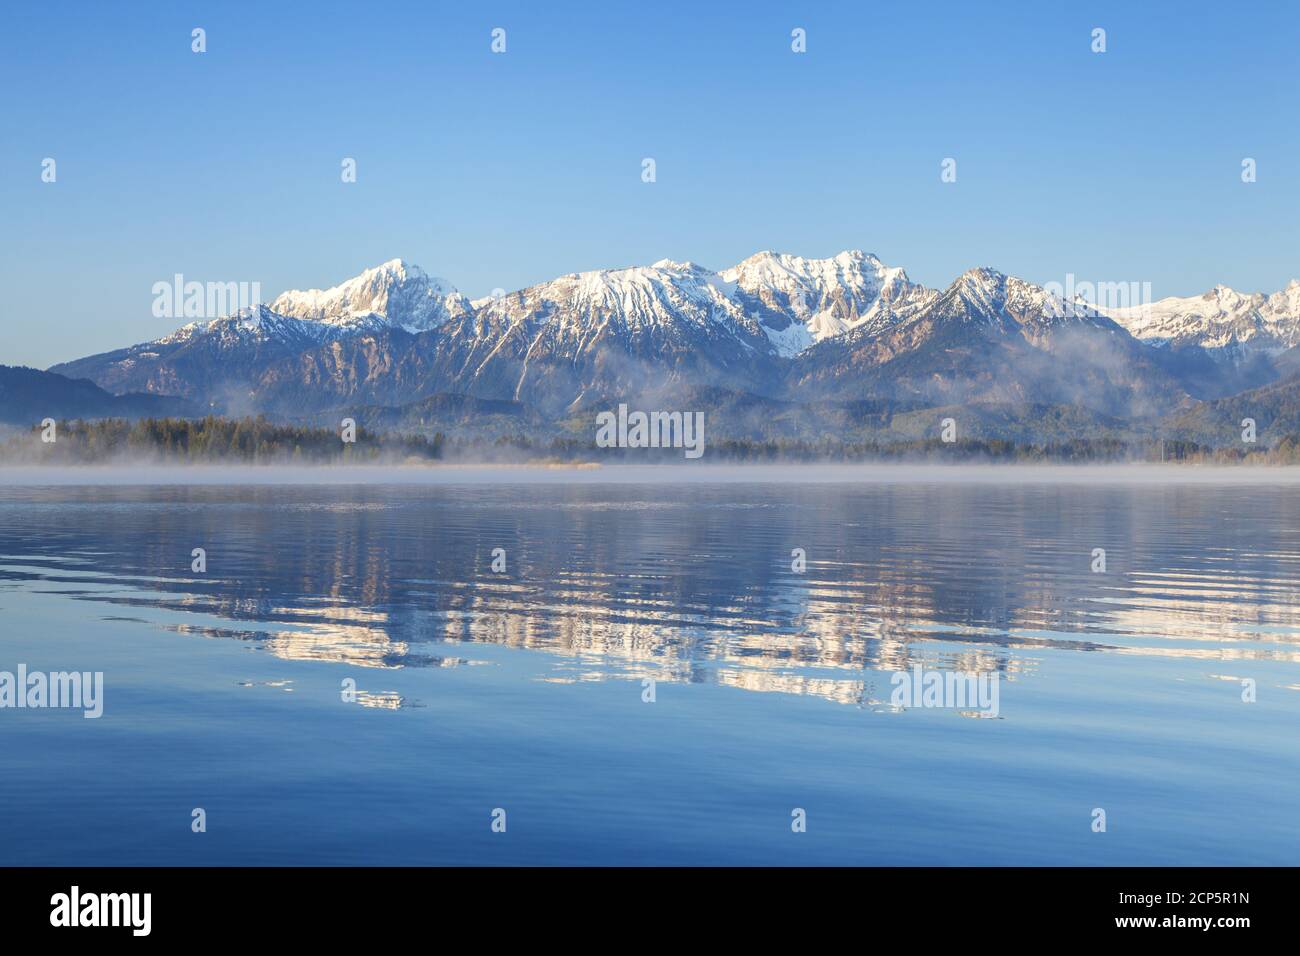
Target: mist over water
{"x":154,"y":473}
{"x":524,"y":689}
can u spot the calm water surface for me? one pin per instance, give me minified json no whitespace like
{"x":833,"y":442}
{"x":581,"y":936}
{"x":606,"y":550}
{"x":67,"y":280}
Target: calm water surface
{"x":523,"y":690}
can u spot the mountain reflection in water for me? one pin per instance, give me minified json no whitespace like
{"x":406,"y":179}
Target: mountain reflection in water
{"x":687,"y":584}
{"x":648,"y":680}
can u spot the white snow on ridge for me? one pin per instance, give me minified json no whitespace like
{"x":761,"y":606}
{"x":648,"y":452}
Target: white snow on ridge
{"x":1219,"y":318}
{"x":395,"y":291}
{"x":827,"y":296}
{"x":793,"y":301}
{"x":250,"y":324}
{"x":666,"y":293}
{"x":791,"y":340}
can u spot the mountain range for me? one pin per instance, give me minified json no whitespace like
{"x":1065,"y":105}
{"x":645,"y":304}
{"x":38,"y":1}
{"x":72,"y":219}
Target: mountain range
{"x":843,"y":346}
{"x":28,"y":396}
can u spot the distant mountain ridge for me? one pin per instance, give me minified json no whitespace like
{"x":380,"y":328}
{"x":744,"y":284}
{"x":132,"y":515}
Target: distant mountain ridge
{"x":817,"y":299}
{"x":28,"y":396}
{"x":392,"y":291}
{"x":1221,"y":318}
{"x":775,"y":326}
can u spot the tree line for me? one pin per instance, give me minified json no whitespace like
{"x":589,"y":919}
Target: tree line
{"x":212,"y":439}
{"x":256,"y":440}
{"x":1102,"y":450}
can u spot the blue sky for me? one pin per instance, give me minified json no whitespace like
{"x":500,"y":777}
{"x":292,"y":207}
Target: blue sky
{"x":504,"y":170}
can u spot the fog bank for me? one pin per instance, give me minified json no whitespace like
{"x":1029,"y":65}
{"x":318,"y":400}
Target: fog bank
{"x":694,"y":473}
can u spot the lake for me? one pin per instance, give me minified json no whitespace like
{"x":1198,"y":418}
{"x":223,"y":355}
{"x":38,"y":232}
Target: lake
{"x":665,"y":666}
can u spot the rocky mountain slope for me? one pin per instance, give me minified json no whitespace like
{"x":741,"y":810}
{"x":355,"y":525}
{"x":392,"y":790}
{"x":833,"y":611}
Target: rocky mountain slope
{"x":777,"y":327}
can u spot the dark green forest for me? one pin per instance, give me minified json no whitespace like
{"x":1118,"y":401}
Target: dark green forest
{"x":209,"y":440}
{"x":259,"y":441}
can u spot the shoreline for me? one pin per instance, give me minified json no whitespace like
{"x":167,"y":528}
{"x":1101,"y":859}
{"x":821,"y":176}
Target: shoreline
{"x":589,"y":473}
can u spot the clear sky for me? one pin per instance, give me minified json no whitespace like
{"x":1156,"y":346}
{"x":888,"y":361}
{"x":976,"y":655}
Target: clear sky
{"x":501,"y":170}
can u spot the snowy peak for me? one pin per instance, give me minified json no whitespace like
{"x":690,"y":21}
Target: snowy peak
{"x":396,"y":292}
{"x":256,"y":323}
{"x":770,"y":305}
{"x":1219,"y":319}
{"x":801,"y":301}
{"x":844,"y":325}
{"x":772,"y":301}
{"x":665,"y":295}
{"x":1283,"y":306}
{"x":982,"y":287}
{"x":979,"y":297}
{"x":670,"y":265}
{"x":987,"y":297}
{"x":852,"y":269}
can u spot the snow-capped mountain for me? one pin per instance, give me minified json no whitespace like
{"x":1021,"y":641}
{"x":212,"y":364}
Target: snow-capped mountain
{"x":256,"y":323}
{"x":779,"y":326}
{"x":586,"y":335}
{"x":986,"y":296}
{"x":990,"y":337}
{"x":234,"y":350}
{"x":803,"y":301}
{"x":393,"y":292}
{"x":792,"y":301}
{"x":665,"y":295}
{"x":1220,"y":319}
{"x":204,"y":359}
